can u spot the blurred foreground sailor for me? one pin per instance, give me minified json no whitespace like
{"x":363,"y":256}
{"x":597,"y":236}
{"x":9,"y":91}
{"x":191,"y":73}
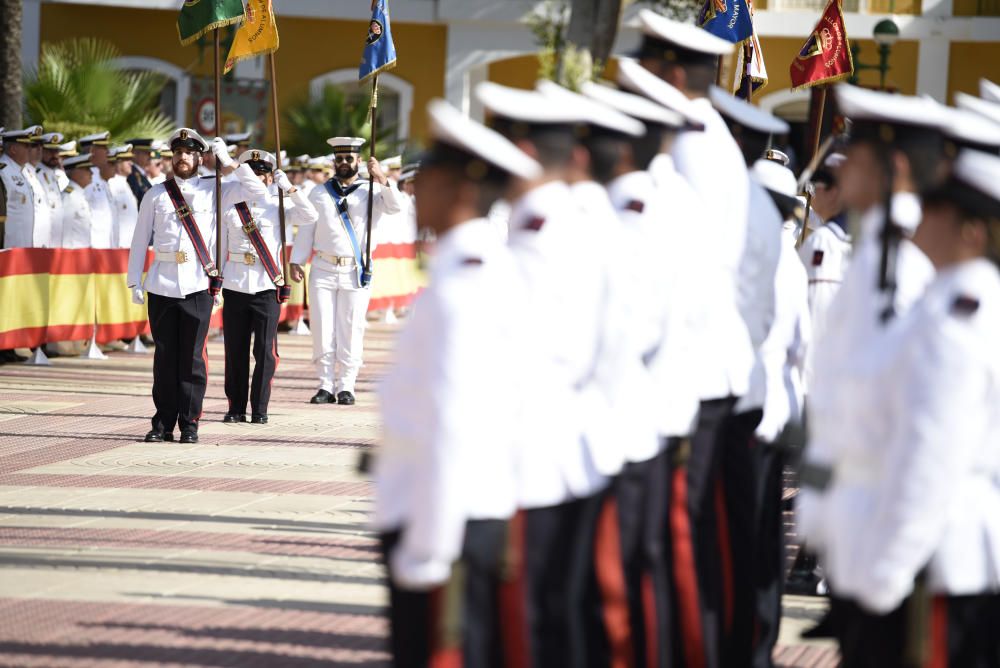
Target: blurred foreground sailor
{"x":252,"y":288}
{"x":339,"y":292}
{"x":925,"y":563}
{"x":446,"y":472}
{"x":183,"y":282}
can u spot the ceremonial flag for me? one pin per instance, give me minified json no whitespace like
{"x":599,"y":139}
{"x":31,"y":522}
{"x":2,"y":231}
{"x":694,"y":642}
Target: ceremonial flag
{"x":728,"y":19}
{"x":750,"y":79}
{"x":380,"y":52}
{"x":826,"y":55}
{"x":198,"y":17}
{"x":257,"y":36}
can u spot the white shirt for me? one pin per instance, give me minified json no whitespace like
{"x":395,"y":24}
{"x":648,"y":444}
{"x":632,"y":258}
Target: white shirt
{"x":448,"y":408}
{"x":103,"y":214}
{"x":158,"y":217}
{"x":29,"y":218}
{"x":558,"y":253}
{"x":929,"y":495}
{"x":252,"y":278}
{"x":49,"y":178}
{"x":77,"y":218}
{"x":714,"y":166}
{"x":126,"y":210}
{"x":327,"y":235}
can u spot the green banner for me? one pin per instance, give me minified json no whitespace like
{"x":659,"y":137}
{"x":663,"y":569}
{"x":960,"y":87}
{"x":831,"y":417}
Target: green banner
{"x":197,"y":17}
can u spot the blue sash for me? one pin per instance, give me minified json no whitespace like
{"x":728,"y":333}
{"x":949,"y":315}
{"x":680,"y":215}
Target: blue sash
{"x":339,"y":197}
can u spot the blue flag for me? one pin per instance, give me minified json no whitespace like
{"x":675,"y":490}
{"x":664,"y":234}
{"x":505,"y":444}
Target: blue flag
{"x":380,"y":52}
{"x":728,"y":19}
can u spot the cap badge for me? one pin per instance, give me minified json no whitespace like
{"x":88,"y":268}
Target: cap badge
{"x":255,"y":155}
{"x":184,"y":134}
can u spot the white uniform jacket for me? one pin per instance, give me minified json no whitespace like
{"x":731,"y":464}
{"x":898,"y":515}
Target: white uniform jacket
{"x":448,"y":413}
{"x":158,"y":217}
{"x":29,"y":218}
{"x":559,"y":255}
{"x":929,"y":496}
{"x":126,"y":210}
{"x":49,"y":178}
{"x":102,"y":208}
{"x":77,"y":218}
{"x":250,"y":277}
{"x":328,"y":236}
{"x":714,"y":166}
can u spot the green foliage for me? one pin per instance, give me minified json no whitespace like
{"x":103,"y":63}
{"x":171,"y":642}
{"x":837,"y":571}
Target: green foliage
{"x":335,"y":114}
{"x":559,"y":60}
{"x":78,"y":90}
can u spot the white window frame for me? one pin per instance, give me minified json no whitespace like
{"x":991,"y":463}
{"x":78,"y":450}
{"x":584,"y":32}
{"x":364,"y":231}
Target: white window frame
{"x":169,"y":70}
{"x":401,"y":87}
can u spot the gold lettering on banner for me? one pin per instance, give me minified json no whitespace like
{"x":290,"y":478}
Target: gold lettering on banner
{"x":835,"y":25}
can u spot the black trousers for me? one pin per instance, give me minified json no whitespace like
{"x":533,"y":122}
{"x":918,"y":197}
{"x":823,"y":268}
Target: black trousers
{"x":936,"y":632}
{"x":703,"y":637}
{"x":244,"y":316}
{"x":739,"y":513}
{"x":769,"y":552}
{"x":180,"y":366}
{"x":459,"y":618}
{"x":563,"y":604}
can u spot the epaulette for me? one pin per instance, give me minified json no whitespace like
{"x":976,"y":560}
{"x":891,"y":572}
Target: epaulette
{"x":472,"y":262}
{"x":964,"y":306}
{"x":535,"y":224}
{"x":817,"y":258}
{"x":68,"y":189}
{"x":636,"y":205}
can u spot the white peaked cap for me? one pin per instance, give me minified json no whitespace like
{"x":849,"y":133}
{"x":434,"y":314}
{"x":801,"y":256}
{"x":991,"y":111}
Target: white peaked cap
{"x":450,"y":126}
{"x":256,"y":155}
{"x":528,"y":106}
{"x":593,"y":112}
{"x":187,"y":134}
{"x":861,"y":104}
{"x":989,"y":91}
{"x":395,"y":162}
{"x":633,"y":105}
{"x":968,"y":126}
{"x":775,"y":177}
{"x":745,"y":114}
{"x":980,"y":171}
{"x":685,"y":35}
{"x":635,"y":77}
{"x":346,"y":144}
{"x":990,"y":110}
{"x":834,"y":160}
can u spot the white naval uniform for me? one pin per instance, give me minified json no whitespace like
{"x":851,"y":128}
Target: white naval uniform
{"x":448,"y":409}
{"x":104,"y":216}
{"x":126,"y":210}
{"x":850,"y":353}
{"x":252,"y":278}
{"x":77,"y":218}
{"x":61,"y":179}
{"x":826,"y":254}
{"x":49,"y":178}
{"x":29,"y":218}
{"x":158,"y":218}
{"x":337,"y":302}
{"x":714,"y":166}
{"x":929,"y":495}
{"x":557,"y":252}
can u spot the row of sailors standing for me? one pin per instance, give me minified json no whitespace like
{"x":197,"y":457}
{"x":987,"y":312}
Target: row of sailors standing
{"x":631,"y":426}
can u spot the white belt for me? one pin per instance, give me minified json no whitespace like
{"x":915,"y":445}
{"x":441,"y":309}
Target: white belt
{"x":336,"y":260}
{"x":174,"y":257}
{"x":243,"y":258}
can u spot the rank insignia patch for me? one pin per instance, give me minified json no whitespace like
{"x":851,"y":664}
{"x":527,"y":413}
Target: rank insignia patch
{"x":817,"y":258}
{"x":964,"y":305}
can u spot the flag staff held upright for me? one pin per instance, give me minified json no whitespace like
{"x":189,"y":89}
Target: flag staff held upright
{"x":366,"y":272}
{"x":284,"y":290}
{"x":216,"y":57}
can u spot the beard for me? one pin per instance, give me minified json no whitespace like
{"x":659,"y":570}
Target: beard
{"x":345,"y":171}
{"x":185,"y":170}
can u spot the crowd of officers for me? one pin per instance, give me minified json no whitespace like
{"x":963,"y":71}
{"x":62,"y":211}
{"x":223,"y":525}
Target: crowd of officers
{"x":585,"y":426}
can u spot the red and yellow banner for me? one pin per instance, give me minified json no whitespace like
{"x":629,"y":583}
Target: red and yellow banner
{"x":826,"y":55}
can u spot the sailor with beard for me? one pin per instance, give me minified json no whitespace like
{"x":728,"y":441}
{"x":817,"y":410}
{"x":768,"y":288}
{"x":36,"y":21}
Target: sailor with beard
{"x":338,"y":293}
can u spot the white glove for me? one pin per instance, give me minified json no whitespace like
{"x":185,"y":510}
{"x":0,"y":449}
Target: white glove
{"x":138,"y":296}
{"x":222,"y":152}
{"x":282,"y":180}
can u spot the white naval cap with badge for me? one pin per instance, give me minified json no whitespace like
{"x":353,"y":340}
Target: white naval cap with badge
{"x":187,"y":138}
{"x":261,"y":162}
{"x":590,"y":111}
{"x":968,"y":129}
{"x":635,"y":106}
{"x":67,"y":150}
{"x":526,"y":106}
{"x":634,"y":77}
{"x":95,"y":139}
{"x":77,"y":162}
{"x":52,"y":140}
{"x":989,"y":91}
{"x":26,"y":136}
{"x":346,"y":144}
{"x":121,"y":153}
{"x":745,"y":114}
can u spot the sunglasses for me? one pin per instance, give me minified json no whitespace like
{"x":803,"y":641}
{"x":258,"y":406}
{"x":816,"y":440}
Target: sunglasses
{"x":344,"y":158}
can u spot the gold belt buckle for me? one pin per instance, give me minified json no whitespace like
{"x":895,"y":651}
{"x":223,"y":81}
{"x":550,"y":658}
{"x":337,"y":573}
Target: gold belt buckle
{"x":248,"y":258}
{"x":183,"y":211}
{"x":250,"y":227}
{"x":181,"y":257}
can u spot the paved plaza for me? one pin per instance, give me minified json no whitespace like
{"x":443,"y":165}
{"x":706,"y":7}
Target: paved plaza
{"x":250,"y":548}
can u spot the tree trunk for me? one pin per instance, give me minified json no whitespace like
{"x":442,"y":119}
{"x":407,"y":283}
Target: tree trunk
{"x":10,"y":64}
{"x":594,"y":26}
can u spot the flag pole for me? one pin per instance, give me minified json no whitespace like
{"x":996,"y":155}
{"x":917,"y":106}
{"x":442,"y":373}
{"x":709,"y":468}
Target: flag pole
{"x":277,"y":155}
{"x":218,"y":166}
{"x":816,"y":131}
{"x":371,"y":180}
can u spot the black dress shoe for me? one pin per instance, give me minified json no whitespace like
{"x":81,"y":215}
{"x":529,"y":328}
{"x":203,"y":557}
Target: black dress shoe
{"x":234,"y":417}
{"x":345,"y":398}
{"x":258,"y":419}
{"x":189,"y":436}
{"x":322,"y":397}
{"x":158,"y":436}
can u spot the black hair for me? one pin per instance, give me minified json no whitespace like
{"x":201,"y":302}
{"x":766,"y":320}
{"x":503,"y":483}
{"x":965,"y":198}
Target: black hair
{"x":753,"y":144}
{"x":554,"y":142}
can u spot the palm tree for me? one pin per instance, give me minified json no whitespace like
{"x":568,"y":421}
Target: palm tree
{"x":335,"y":114}
{"x":77,"y":90}
{"x":10,"y":63}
